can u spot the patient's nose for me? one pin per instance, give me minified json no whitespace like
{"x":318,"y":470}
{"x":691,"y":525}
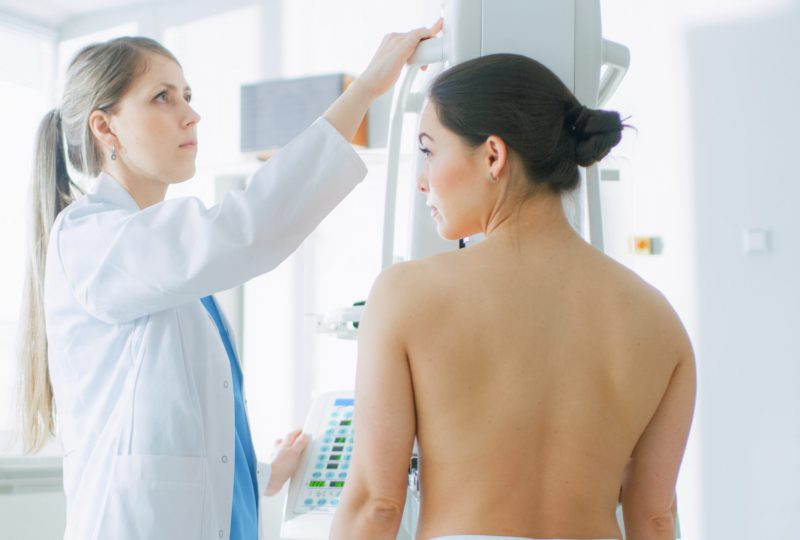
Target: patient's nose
{"x":422,"y":183}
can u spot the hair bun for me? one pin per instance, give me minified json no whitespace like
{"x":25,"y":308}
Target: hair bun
{"x":596,"y":133}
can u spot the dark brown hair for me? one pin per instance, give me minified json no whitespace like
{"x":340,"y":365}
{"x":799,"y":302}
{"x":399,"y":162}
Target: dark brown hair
{"x":521,"y":101}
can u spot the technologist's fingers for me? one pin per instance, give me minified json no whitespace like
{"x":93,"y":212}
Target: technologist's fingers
{"x":393,"y":53}
{"x":300,"y":442}
{"x":289,"y":440}
{"x":426,"y":33}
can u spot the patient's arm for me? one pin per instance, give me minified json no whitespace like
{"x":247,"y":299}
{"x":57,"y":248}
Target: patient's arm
{"x":648,"y":490}
{"x":375,"y":490}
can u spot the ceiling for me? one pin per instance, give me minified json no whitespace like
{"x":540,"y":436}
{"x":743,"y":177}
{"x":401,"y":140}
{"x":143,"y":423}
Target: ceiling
{"x":53,"y":13}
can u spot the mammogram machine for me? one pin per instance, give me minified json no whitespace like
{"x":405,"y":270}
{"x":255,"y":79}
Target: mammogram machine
{"x":564,"y":35}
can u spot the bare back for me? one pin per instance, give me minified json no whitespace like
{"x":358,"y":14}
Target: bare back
{"x":535,"y":373}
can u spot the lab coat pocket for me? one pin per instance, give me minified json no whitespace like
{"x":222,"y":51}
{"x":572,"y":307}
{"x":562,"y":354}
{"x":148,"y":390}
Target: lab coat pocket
{"x":155,"y":497}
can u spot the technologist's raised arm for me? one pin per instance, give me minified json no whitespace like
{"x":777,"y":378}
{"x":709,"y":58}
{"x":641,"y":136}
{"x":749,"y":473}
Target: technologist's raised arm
{"x":381,"y":73}
{"x":372,"y":503}
{"x":178,"y":250}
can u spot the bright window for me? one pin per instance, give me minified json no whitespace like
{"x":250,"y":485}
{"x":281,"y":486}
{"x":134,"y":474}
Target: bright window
{"x":27,"y":60}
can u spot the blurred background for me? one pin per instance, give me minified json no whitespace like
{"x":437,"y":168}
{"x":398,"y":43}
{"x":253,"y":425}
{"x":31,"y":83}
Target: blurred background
{"x":708,"y":175}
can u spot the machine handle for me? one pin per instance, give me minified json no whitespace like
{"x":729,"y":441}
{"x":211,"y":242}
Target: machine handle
{"x":393,"y":163}
{"x":616,"y":58}
{"x":429,"y":51}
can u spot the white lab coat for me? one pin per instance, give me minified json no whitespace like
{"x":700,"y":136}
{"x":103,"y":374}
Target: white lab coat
{"x":142,"y":382}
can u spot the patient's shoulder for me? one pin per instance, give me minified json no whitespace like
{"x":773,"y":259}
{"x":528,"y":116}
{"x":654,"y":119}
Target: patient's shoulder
{"x":642,"y":307}
{"x":411,"y":288}
{"x":402,"y":280}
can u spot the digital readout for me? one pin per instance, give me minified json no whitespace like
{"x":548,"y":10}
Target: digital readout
{"x":336,"y":484}
{"x":316,"y":483}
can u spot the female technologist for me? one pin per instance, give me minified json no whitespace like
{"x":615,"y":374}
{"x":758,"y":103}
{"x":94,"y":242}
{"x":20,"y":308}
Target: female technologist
{"x":144,"y":378}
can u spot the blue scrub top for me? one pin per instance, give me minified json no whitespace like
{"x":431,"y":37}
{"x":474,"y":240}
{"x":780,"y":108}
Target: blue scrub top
{"x":244,"y":514}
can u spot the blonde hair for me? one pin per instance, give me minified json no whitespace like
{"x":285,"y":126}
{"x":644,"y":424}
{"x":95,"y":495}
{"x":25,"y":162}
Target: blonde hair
{"x":97,"y":78}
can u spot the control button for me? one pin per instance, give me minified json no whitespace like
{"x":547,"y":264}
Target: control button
{"x":330,"y":431}
{"x":332,"y":423}
{"x":321,"y":457}
{"x":347,"y":457}
{"x":326,"y":448}
{"x":345,"y":466}
{"x":321,"y":502}
{"x":342,"y":431}
{"x":348,"y":414}
{"x":327,"y":440}
{"x":335,"y":414}
{"x":319,"y":466}
{"x":342,"y":475}
{"x":329,"y":475}
{"x":316,"y":475}
{"x":309,"y":502}
{"x":335,"y":502}
{"x":350,"y":448}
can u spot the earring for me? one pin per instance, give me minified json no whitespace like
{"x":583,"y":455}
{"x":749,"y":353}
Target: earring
{"x":113,"y":152}
{"x":492,"y":179}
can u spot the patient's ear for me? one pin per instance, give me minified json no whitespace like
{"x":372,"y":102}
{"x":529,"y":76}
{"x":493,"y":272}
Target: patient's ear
{"x":496,"y":155}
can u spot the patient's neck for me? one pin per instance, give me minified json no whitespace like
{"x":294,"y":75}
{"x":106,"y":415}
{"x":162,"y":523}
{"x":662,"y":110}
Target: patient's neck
{"x":538,"y":218}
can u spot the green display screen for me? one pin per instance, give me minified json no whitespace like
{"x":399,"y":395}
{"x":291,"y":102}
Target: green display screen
{"x":316,"y":483}
{"x":345,"y":422}
{"x":336,"y":484}
{"x":336,"y":457}
{"x":339,"y":440}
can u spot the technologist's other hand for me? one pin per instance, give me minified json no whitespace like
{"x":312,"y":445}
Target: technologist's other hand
{"x":394,"y":51}
{"x":285,"y":459}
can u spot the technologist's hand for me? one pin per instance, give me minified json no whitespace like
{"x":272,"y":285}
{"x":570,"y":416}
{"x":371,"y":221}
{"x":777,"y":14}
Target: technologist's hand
{"x":392,"y":54}
{"x":382,"y":72}
{"x":285,"y":459}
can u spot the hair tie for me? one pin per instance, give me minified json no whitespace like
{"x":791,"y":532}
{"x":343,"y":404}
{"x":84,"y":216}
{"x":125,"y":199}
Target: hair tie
{"x":576,"y":117}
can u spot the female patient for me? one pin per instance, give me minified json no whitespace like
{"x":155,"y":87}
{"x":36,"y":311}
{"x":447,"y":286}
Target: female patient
{"x":542,"y":379}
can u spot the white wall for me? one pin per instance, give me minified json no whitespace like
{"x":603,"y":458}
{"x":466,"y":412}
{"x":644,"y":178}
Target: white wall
{"x":711,"y":90}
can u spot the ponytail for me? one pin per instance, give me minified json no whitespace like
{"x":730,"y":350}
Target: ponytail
{"x":97,"y":78}
{"x":51,"y":192}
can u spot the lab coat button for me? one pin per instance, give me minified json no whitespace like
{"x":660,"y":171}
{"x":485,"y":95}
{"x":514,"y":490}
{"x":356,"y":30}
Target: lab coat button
{"x":224,"y":459}
{"x":224,"y":384}
{"x":221,"y":533}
